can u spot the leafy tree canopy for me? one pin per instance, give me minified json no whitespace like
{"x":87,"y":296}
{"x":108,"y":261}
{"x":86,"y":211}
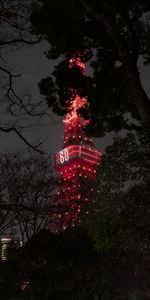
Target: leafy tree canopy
{"x":67,"y":266}
{"x":119,"y":216}
{"x":111,"y":35}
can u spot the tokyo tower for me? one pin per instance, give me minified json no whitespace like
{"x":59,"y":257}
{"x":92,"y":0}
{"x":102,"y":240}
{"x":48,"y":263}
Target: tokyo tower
{"x":76,"y":164}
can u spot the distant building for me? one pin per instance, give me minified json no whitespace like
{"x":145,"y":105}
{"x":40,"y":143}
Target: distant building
{"x":6,"y":245}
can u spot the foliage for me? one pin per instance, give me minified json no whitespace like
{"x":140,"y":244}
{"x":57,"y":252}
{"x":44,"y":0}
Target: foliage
{"x":119,"y":218}
{"x":111,"y":35}
{"x":67,"y":266}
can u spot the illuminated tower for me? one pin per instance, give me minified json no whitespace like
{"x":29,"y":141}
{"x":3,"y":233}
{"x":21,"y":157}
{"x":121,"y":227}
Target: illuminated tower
{"x":76,"y":164}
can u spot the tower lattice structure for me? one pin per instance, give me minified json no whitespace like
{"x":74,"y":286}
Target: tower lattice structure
{"x":76,"y":164}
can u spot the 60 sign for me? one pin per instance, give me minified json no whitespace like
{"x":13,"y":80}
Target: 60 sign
{"x":64,"y":155}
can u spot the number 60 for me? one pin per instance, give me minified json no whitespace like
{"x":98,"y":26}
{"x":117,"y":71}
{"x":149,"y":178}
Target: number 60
{"x":64,"y":156}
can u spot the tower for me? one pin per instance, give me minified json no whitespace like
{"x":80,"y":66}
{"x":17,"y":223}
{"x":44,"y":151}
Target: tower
{"x":76,"y":163}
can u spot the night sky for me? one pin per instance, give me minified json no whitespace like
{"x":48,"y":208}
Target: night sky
{"x":32,"y":64}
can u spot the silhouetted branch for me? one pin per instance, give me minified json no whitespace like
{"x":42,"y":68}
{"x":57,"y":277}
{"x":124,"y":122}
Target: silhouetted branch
{"x":19,"y":103}
{"x":19,"y":207}
{"x":9,"y":74}
{"x":138,"y":94}
{"x":13,"y":129}
{"x":16,"y":41}
{"x":50,"y":210}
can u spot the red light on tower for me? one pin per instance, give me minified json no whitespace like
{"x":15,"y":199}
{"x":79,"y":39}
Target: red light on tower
{"x":76,"y":164}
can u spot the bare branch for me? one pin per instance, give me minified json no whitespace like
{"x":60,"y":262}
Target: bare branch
{"x":19,"y":102}
{"x":14,"y":16}
{"x":9,"y":73}
{"x":15,"y":207}
{"x":16,"y":41}
{"x":11,"y":76}
{"x":13,"y":129}
{"x":39,"y":210}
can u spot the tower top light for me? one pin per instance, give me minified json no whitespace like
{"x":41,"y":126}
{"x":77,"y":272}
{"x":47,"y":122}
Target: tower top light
{"x":77,"y":103}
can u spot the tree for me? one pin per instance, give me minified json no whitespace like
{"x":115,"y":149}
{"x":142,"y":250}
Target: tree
{"x":122,"y":204}
{"x":118,"y":219}
{"x":16,"y":33}
{"x":67,"y":266}
{"x":45,"y":263}
{"x":27,"y":191}
{"x":114,"y":34}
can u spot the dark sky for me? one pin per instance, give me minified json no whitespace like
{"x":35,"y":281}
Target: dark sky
{"x":30,"y":61}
